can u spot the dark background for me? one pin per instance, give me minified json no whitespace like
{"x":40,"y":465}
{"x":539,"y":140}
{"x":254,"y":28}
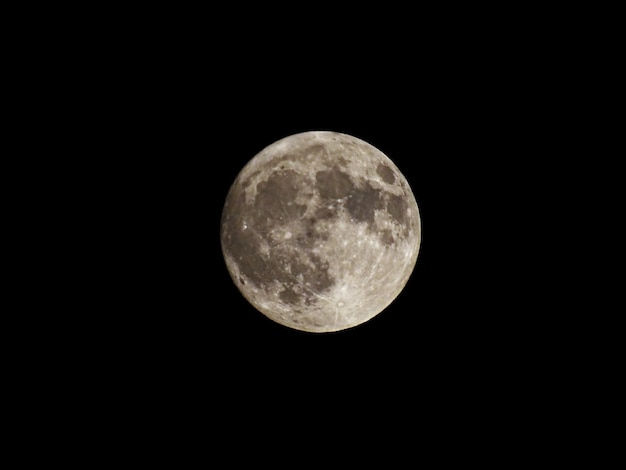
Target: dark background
{"x":162,"y":117}
{"x":133,"y":124}
{"x":451,"y":129}
{"x":180,"y":117}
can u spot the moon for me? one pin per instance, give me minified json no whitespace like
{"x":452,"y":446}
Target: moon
{"x":320,"y":231}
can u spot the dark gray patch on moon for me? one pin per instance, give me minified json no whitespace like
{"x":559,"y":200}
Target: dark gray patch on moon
{"x":333,"y":184}
{"x":289,"y":296}
{"x":387,"y":237}
{"x":246,"y":228}
{"x":385,"y":173}
{"x":362,"y":203}
{"x":397,"y":208}
{"x":336,"y":188}
{"x":251,"y":264}
{"x":236,"y":238}
{"x":275,"y":197}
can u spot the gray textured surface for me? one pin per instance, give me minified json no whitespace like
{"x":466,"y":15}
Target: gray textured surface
{"x":320,"y":231}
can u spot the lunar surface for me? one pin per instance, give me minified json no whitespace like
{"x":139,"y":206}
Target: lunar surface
{"x":320,"y":231}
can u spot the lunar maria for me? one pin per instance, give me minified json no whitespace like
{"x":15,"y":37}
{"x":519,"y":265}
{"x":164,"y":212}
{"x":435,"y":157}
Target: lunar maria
{"x":320,"y":231}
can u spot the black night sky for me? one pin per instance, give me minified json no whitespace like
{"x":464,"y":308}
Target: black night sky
{"x":176,"y":127}
{"x":440,"y":136}
{"x":193,"y":130}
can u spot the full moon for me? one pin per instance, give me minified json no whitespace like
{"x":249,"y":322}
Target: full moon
{"x":320,"y":231}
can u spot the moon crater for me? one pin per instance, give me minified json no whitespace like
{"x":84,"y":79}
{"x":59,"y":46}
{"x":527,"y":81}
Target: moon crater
{"x":320,"y":231}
